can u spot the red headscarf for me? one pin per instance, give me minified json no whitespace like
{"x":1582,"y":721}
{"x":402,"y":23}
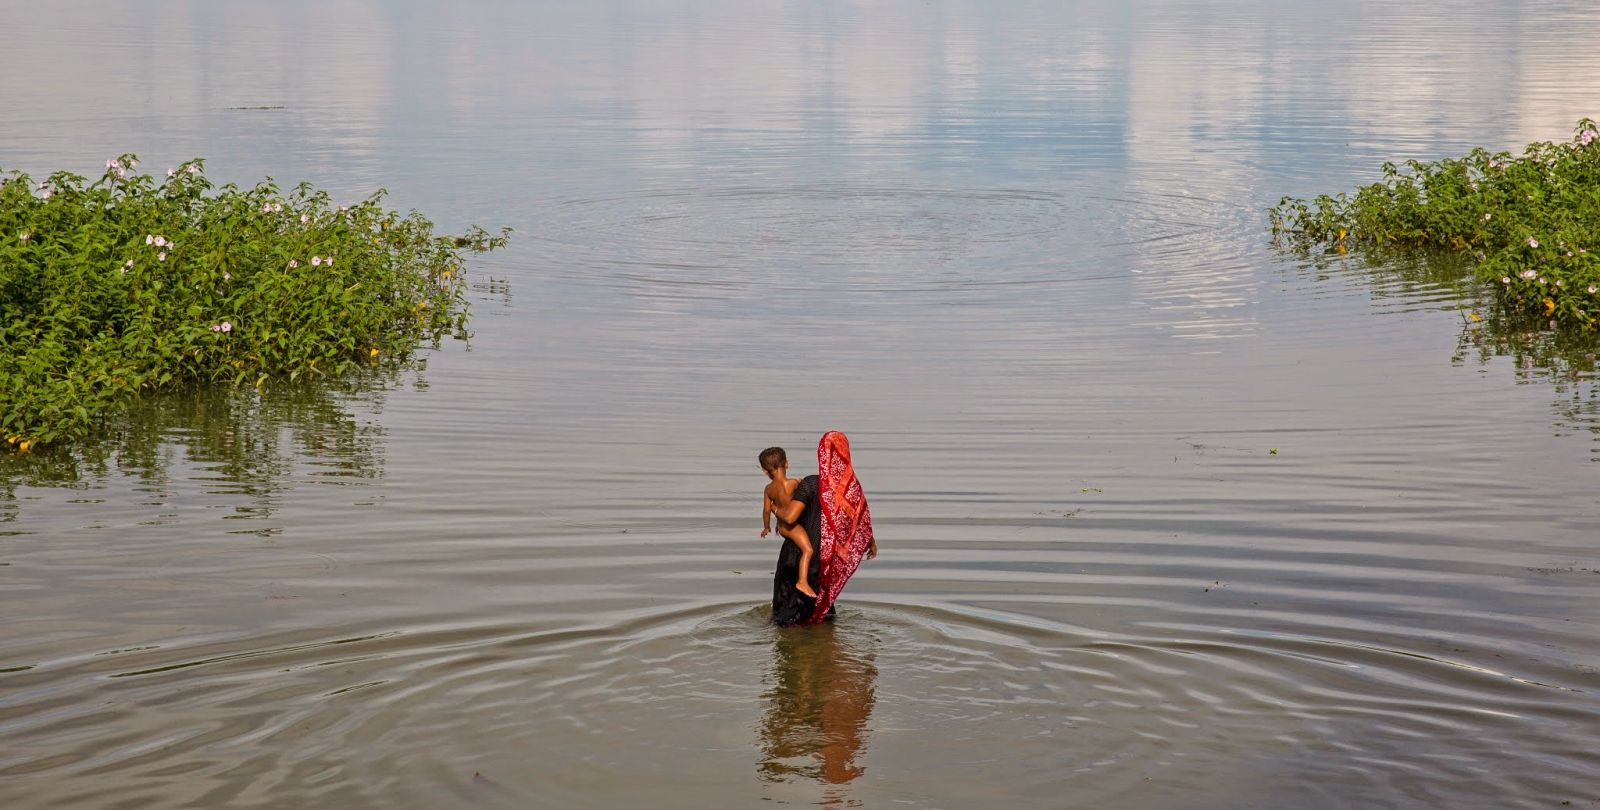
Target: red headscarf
{"x":846,"y":523}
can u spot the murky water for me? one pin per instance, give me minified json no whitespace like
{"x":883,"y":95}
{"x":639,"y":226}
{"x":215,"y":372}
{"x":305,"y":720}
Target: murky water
{"x":1016,"y":250}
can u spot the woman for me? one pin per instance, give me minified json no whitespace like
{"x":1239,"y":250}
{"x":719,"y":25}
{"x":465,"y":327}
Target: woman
{"x":833,"y":509}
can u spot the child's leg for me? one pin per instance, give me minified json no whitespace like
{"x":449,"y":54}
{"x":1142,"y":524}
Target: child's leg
{"x":797,"y":533}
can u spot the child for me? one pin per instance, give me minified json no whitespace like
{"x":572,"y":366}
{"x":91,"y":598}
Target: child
{"x":779,"y":493}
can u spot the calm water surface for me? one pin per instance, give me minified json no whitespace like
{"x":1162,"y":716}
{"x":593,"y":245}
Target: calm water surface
{"x":1016,"y":250}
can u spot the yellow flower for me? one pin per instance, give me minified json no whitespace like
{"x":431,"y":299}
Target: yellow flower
{"x":1549,"y":306}
{"x":23,"y":448}
{"x":1341,"y":234}
{"x":373,"y":353}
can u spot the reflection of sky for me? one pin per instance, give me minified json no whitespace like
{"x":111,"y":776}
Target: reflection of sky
{"x":1003,"y":91}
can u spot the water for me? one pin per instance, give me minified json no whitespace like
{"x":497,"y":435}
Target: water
{"x":1017,"y":251}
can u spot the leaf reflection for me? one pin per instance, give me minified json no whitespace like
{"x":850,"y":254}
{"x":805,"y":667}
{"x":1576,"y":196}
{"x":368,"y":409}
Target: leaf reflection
{"x":233,"y":441}
{"x":1541,"y":351}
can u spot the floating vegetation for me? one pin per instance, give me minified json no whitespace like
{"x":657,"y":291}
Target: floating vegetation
{"x":1530,"y":225}
{"x":130,"y":284}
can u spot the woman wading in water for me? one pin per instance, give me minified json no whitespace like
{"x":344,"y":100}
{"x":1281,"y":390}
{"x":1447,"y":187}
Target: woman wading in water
{"x":832,"y":509}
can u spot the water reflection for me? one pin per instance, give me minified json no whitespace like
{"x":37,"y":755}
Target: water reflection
{"x":1539,"y":351}
{"x":232,"y":441}
{"x":820,"y":697}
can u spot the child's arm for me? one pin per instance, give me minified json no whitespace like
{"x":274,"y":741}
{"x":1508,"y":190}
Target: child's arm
{"x":766,"y":514}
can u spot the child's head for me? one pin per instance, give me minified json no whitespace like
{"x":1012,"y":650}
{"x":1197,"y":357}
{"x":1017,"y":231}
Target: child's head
{"x":774,"y":459}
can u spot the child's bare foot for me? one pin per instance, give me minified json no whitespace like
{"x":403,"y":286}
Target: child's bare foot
{"x":805,"y":589}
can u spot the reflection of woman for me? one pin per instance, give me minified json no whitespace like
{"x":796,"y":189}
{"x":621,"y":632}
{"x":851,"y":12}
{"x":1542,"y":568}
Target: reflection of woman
{"x":833,"y":510}
{"x":817,"y":707}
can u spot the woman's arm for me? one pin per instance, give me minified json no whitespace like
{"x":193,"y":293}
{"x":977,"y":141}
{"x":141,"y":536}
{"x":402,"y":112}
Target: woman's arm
{"x":789,"y":511}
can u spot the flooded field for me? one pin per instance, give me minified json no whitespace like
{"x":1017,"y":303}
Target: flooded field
{"x":1168,"y":518}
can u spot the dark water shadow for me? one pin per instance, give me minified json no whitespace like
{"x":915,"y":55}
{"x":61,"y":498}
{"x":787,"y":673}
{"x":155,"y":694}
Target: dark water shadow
{"x":821,"y":691}
{"x":1541,"y":351}
{"x":239,"y":441}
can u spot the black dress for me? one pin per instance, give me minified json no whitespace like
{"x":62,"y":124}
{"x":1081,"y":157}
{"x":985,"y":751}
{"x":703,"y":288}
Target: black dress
{"x":790,"y":606}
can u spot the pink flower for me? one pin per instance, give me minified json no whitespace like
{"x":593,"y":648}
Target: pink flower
{"x":1593,"y":289}
{"x":293,"y":263}
{"x":171,"y":173}
{"x":1532,"y":242}
{"x":227,"y":327}
{"x":1586,"y":137}
{"x":1505,"y":279}
{"x":1541,"y":280}
{"x":162,"y":256}
{"x":304,"y":218}
{"x":316,"y":260}
{"x":328,"y":260}
{"x":1487,"y":217}
{"x":193,"y":169}
{"x":1529,"y":273}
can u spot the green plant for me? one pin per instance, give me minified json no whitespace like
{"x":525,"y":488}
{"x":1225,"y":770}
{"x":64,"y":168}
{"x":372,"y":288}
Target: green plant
{"x":1531,"y":224}
{"x":128,"y":284}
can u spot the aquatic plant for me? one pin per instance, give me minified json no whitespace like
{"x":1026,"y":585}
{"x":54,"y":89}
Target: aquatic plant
{"x":127,"y":284}
{"x":1530,"y":223}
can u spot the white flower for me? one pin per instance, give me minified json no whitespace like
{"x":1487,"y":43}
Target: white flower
{"x":277,"y":208}
{"x":226,"y":276}
{"x":1529,"y":273}
{"x":328,"y":260}
{"x":128,"y":263}
{"x":162,"y":256}
{"x":1532,"y":242}
{"x":1560,"y":283}
{"x":1505,"y":279}
{"x":293,"y":263}
{"x":316,"y":260}
{"x":193,"y":169}
{"x":149,"y":239}
{"x":1487,"y":217}
{"x":171,"y":173}
{"x":227,"y":327}
{"x":25,"y":236}
{"x":1541,"y":280}
{"x":1593,"y":289}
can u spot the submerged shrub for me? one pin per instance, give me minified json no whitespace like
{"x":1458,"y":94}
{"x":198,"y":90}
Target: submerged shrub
{"x":129,"y":284}
{"x":1531,"y":223}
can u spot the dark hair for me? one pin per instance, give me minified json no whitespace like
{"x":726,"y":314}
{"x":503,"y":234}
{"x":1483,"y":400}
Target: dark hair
{"x":773,"y":457}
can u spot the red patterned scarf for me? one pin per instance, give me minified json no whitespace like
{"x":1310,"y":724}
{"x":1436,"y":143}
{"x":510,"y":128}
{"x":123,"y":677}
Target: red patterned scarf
{"x":846,"y":523}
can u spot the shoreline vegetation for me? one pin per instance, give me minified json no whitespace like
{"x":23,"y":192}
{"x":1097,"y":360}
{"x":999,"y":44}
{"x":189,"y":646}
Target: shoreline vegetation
{"x":1528,"y":226}
{"x":132,"y":284}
